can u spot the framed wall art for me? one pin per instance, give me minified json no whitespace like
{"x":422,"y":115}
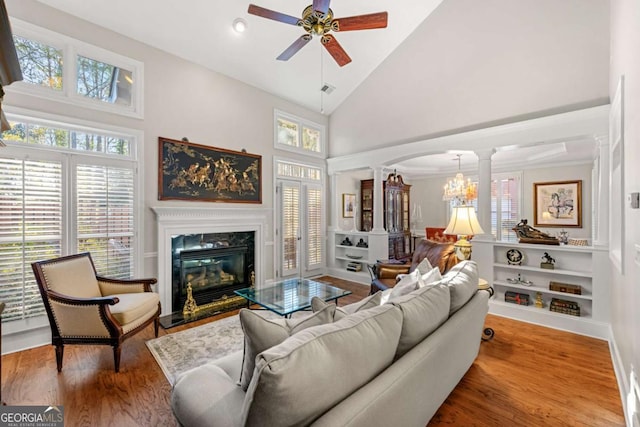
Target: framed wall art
{"x":557,"y":204}
{"x":195,"y":172}
{"x":348,"y":205}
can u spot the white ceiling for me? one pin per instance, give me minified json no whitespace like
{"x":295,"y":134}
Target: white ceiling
{"x":201,"y":31}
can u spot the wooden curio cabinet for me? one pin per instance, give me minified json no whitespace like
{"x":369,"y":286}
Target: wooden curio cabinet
{"x":396,"y":203}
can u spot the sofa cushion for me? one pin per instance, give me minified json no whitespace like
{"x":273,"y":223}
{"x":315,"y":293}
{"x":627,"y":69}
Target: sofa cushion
{"x":423,"y":311}
{"x":297,"y":381}
{"x":133,"y":307}
{"x":205,"y":396}
{"x":408,"y":283}
{"x":261,"y":334}
{"x":462,"y":281}
{"x":371,"y":301}
{"x":429,"y":277}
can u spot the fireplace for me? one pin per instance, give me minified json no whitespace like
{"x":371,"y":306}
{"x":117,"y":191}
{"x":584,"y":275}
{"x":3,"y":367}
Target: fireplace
{"x":185,"y":229}
{"x":215,"y":264}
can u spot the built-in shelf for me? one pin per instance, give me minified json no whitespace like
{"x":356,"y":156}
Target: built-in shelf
{"x":585,"y":266}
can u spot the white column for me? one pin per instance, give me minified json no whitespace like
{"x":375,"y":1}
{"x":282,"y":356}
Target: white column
{"x":334,"y":221}
{"x":378,"y":206}
{"x":601,"y":194}
{"x":484,"y":192}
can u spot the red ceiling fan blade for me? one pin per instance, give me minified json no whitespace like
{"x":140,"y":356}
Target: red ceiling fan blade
{"x":294,"y":48}
{"x":271,"y":14}
{"x":360,"y":22}
{"x":334,"y":48}
{"x":321,"y":6}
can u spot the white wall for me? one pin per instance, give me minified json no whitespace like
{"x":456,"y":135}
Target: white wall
{"x":625,"y":289}
{"x":473,"y":64}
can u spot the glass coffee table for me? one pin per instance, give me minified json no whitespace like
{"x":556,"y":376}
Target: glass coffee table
{"x":290,"y":295}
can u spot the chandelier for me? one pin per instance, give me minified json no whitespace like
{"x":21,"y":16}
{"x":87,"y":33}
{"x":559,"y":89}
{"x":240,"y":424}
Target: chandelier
{"x":458,"y":190}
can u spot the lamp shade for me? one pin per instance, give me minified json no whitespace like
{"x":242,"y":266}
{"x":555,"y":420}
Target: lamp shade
{"x":464,"y":222}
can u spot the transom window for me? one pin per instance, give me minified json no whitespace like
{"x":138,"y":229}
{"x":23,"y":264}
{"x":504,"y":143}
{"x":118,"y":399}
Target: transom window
{"x":68,"y":70}
{"x":296,"y":134}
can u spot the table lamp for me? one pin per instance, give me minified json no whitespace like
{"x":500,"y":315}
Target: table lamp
{"x":463,"y":223}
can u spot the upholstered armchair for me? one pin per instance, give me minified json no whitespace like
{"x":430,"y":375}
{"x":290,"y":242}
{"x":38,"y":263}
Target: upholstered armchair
{"x":439,"y":254}
{"x":84,"y":308}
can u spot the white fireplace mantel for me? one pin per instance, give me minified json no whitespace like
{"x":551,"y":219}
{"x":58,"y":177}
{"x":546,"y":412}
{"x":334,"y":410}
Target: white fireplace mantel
{"x":173,"y":221}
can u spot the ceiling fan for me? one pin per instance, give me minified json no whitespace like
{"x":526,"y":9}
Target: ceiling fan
{"x":317,"y":20}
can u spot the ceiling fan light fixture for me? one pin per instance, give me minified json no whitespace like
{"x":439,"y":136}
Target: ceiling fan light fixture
{"x":239,"y":25}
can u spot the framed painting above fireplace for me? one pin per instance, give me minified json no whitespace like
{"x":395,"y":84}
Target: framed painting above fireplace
{"x":188,"y":171}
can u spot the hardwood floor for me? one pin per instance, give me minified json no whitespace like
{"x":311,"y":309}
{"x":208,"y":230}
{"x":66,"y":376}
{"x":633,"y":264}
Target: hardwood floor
{"x":526,"y":376}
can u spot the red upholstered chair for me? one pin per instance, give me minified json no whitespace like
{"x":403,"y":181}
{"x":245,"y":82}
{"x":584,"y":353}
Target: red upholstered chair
{"x":84,"y":308}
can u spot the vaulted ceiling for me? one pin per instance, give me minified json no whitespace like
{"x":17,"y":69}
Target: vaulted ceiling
{"x":201,"y":31}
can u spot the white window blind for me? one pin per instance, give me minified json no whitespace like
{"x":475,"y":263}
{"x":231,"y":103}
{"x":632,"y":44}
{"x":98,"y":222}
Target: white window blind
{"x":314,"y":231}
{"x":105,"y":217}
{"x":290,"y":227}
{"x":505,"y":207}
{"x":30,"y":230}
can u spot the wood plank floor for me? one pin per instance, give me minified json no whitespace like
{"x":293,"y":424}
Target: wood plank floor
{"x":526,"y":376}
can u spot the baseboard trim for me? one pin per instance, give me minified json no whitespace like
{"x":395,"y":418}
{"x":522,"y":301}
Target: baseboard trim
{"x":621,"y":375}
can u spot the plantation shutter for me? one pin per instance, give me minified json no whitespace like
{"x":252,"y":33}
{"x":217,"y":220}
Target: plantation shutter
{"x":290,"y":226}
{"x":105,"y":217}
{"x":505,"y":207}
{"x":30,"y":230}
{"x":313,"y":232}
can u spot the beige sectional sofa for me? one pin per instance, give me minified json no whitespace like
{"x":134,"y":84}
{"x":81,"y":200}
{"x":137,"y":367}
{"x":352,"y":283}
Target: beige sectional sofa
{"x":393,"y":364}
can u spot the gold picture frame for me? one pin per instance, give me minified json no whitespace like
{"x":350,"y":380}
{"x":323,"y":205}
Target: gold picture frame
{"x":348,"y":205}
{"x":557,"y":204}
{"x":195,"y":172}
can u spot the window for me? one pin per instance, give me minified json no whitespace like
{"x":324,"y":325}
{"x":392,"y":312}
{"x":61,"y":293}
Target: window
{"x":68,"y":70}
{"x":64,"y":189}
{"x":296,"y":134}
{"x":300,"y":218}
{"x":505,"y":206}
{"x":41,"y":64}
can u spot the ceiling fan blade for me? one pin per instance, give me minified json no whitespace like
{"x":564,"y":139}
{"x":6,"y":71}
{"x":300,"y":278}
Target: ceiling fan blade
{"x":271,"y":14}
{"x":294,"y":48}
{"x":360,"y":22}
{"x":321,"y":6}
{"x":334,"y":48}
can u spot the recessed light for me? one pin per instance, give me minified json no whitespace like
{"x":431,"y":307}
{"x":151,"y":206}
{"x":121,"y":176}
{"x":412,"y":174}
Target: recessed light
{"x":239,"y":25}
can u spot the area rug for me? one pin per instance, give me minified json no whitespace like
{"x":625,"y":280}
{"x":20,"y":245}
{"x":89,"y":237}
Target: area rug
{"x":178,"y":352}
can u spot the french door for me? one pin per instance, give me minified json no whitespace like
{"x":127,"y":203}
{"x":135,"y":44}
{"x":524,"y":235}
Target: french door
{"x":300,"y":225}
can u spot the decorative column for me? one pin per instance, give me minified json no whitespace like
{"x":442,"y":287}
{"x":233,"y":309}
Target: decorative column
{"x":378,"y":206}
{"x":378,"y":236}
{"x":600,"y":193}
{"x":484,"y":192}
{"x":333,"y":215}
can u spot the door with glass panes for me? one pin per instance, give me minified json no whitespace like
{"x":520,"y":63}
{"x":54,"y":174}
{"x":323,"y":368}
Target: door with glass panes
{"x":299,"y":233}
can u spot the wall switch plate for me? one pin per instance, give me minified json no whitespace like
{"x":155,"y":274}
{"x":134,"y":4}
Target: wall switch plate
{"x":634,"y":199}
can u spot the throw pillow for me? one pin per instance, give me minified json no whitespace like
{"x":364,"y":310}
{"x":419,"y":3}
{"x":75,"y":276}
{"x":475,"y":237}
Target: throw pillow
{"x":300,"y":379}
{"x":371,"y":301}
{"x":425,"y":266}
{"x":462,"y":281}
{"x":261,"y":334}
{"x":430,"y":277}
{"x":407,"y":284}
